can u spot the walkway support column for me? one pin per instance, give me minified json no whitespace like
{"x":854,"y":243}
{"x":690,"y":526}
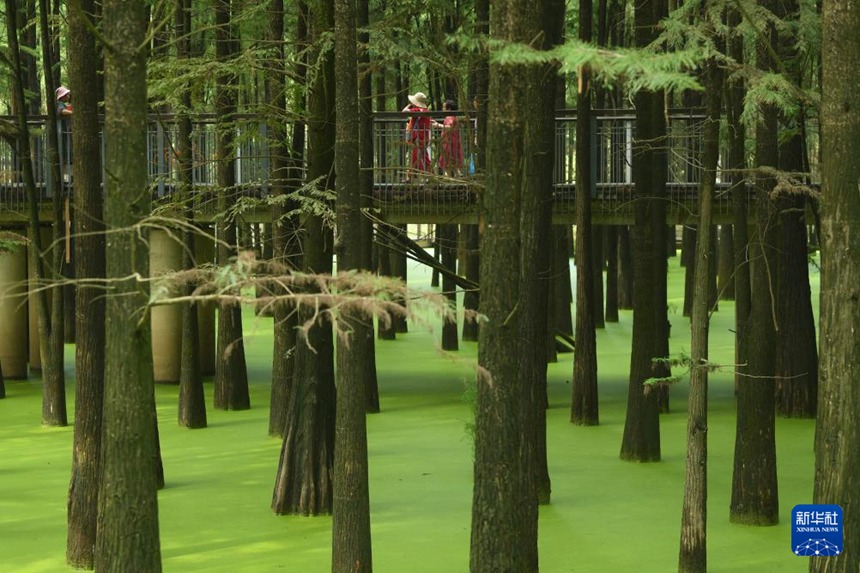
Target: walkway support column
{"x":13,"y":313}
{"x":165,"y":256}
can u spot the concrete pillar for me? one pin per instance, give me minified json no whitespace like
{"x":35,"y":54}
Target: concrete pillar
{"x":165,"y":256}
{"x":13,"y":313}
{"x":205,"y":253}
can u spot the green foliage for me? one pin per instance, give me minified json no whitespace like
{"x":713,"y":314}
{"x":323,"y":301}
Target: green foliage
{"x":682,"y":360}
{"x":312,"y":198}
{"x":11,"y":242}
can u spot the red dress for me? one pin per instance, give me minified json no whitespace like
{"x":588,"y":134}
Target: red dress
{"x":418,"y":133}
{"x":451,"y":157}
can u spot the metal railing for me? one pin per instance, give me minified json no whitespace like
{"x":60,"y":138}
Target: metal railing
{"x":438,"y":177}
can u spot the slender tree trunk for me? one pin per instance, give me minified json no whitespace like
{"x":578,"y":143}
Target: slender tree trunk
{"x":128,"y":509}
{"x":287,"y":170}
{"x":584,"y":402}
{"x":192,"y":402}
{"x":561,"y":295}
{"x":837,"y":434}
{"x":367,"y":342}
{"x":625,"y":269}
{"x":694,"y":517}
{"x":351,"y":547}
{"x":89,"y":265}
{"x":597,"y":257}
{"x":448,"y":241}
{"x":53,"y":374}
{"x":471,"y":297}
{"x":231,"y":373}
{"x":726,"y":269}
{"x":612,"y":273}
{"x":737,"y":164}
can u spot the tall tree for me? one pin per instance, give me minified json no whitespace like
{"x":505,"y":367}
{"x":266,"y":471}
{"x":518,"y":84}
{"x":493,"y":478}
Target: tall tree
{"x":754,"y":484}
{"x":837,"y":434}
{"x":351,"y":548}
{"x":737,"y":163}
{"x":128,"y":510}
{"x":796,"y":366}
{"x":287,"y":166}
{"x":231,"y":373}
{"x":192,"y":402}
{"x":504,"y":512}
{"x":365,"y":112}
{"x":89,"y":266}
{"x":303,"y":483}
{"x":49,"y":325}
{"x":584,"y":404}
{"x":641,"y":440}
{"x":694,"y":518}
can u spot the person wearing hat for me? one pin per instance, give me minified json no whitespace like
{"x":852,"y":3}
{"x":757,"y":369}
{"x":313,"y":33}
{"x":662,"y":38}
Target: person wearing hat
{"x":418,"y":133}
{"x":64,"y":106}
{"x":64,"y":114}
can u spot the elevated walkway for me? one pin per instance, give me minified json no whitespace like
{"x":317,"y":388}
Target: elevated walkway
{"x":400,"y":194}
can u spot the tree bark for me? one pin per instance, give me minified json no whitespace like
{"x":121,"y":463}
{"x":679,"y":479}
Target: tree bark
{"x":726,"y":269}
{"x":89,"y":265}
{"x":693,"y":553}
{"x":597,"y":260}
{"x":231,"y":373}
{"x":641,"y":439}
{"x":471,"y":297}
{"x":837,"y":434}
{"x":351,"y":547}
{"x":611,"y":273}
{"x":584,"y":402}
{"x":754,"y":484}
{"x":504,"y":512}
{"x":367,"y":342}
{"x":192,"y":402}
{"x":287,"y":170}
{"x":128,"y":510}
{"x":448,"y":242}
{"x":303,"y":483}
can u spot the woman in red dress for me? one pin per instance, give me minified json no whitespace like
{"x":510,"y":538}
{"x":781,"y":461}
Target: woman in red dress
{"x":418,"y":134}
{"x":451,"y":156}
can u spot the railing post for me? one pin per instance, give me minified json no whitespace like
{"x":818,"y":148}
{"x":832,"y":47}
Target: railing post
{"x":160,"y":153}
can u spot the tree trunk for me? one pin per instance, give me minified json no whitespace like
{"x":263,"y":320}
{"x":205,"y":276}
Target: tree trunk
{"x":303,"y":483}
{"x":561,"y":295}
{"x":504,"y":512}
{"x":192,"y":402}
{"x":448,"y":245}
{"x":837,"y":434}
{"x":737,"y":164}
{"x":796,"y":365}
{"x":612,"y":273}
{"x":287,"y":170}
{"x":641,"y":440}
{"x":693,"y":554}
{"x":726,"y":269}
{"x":625,"y":269}
{"x":584,"y":402}
{"x":471,"y":297}
{"x":754,"y":484}
{"x":89,"y":265}
{"x":597,"y":262}
{"x":231,"y":373}
{"x":351,"y":547}
{"x":128,"y":510}
{"x":366,"y":341}
{"x":53,"y":374}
